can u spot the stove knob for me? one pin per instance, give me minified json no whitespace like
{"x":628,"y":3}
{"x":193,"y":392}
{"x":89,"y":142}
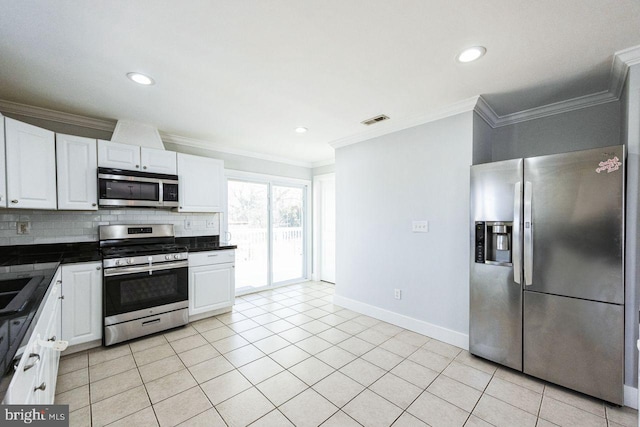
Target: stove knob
{"x":176,"y":256}
{"x":167,"y":257}
{"x":130,"y":261}
{"x":118,"y":262}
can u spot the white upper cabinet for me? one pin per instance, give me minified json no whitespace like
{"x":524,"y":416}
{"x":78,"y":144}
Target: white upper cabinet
{"x":119,"y":156}
{"x":77,"y":165}
{"x":158,"y":161}
{"x":31,"y":166}
{"x":3,"y":172}
{"x":135,"y":158}
{"x":201,"y":184}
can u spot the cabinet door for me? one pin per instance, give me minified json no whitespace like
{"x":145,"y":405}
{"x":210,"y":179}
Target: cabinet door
{"x":77,"y":166}
{"x":201,"y":184}
{"x":158,"y":161}
{"x":211,"y":287}
{"x":82,"y":303}
{"x":38,"y":364}
{"x":3,"y":164}
{"x":119,"y":156}
{"x":31,"y":166}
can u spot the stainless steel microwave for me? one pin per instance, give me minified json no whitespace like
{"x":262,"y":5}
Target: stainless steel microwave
{"x":123,"y":188}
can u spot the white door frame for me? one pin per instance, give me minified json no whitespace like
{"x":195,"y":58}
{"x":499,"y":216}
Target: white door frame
{"x":317,"y":223}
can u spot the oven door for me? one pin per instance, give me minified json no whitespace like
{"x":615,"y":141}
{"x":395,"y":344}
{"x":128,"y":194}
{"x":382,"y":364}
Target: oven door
{"x":140,"y":291}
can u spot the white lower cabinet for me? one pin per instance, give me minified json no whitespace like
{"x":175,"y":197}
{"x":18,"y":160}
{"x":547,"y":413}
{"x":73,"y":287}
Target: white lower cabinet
{"x":34,"y":380}
{"x":82,"y":302}
{"x":211,"y":281}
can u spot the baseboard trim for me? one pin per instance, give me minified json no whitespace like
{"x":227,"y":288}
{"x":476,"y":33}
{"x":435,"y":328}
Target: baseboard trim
{"x":420,"y":326}
{"x":631,"y":397}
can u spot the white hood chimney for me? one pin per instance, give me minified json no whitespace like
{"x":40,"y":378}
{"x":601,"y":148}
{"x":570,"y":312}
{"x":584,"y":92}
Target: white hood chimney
{"x":134,"y":133}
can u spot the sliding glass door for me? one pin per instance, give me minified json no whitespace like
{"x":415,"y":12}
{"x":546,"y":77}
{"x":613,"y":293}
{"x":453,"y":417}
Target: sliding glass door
{"x":249,"y":227}
{"x":267,"y":220}
{"x":288,"y":233}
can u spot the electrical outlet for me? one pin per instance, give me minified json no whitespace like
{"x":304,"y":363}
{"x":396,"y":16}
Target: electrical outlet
{"x":187,"y":224}
{"x":211,"y":223}
{"x":397,"y":294}
{"x":23,"y":227}
{"x":420,"y":226}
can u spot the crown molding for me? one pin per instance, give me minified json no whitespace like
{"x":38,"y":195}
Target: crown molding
{"x":495,"y":121}
{"x":326,"y":162}
{"x":211,"y":146}
{"x":109,"y":126}
{"x":56,"y":116}
{"x":622,"y":60}
{"x":408,"y":122}
{"x":485,"y":111}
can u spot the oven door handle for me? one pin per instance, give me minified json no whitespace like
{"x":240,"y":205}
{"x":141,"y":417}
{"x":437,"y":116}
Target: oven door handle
{"x":119,"y":271}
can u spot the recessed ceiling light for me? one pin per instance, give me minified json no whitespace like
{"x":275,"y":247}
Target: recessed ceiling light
{"x":301,"y":129}
{"x":471,"y":54}
{"x":140,"y":79}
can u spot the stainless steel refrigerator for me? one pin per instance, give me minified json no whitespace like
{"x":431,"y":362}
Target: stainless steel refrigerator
{"x":547,"y":268}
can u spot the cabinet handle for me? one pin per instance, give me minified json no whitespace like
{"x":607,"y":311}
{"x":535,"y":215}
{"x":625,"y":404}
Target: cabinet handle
{"x":53,"y":338}
{"x":14,"y":201}
{"x":58,"y":282}
{"x":61,"y":297}
{"x":213,"y":255}
{"x":94,"y":204}
{"x":31,"y":365}
{"x":98,"y":268}
{"x":42,"y":387}
{"x":137,"y":166}
{"x":144,"y":167}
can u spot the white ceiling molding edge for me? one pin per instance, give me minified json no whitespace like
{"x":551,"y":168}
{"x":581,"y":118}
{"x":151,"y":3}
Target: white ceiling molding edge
{"x":622,"y":60}
{"x":323,"y":163}
{"x":109,"y":126}
{"x":396,"y":125}
{"x":489,"y":115}
{"x":56,"y":116}
{"x":206,"y":145}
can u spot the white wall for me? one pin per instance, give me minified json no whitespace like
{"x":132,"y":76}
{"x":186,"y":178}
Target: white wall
{"x":483,"y":138}
{"x":382,"y":184}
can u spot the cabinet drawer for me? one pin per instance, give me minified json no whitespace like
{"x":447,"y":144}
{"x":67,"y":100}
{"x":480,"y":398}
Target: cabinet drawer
{"x":211,"y":257}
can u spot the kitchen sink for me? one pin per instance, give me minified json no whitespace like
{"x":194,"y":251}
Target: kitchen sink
{"x":15,"y":293}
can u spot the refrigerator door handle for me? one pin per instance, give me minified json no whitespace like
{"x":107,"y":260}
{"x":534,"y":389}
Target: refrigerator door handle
{"x":516,"y":254}
{"x":528,"y":235}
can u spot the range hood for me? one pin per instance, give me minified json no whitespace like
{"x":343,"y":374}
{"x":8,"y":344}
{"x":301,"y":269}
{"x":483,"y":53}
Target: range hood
{"x":134,"y":133}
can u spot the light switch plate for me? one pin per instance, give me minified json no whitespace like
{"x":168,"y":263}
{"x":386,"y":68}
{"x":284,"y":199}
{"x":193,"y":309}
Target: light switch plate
{"x":420,"y":226}
{"x":187,"y":224}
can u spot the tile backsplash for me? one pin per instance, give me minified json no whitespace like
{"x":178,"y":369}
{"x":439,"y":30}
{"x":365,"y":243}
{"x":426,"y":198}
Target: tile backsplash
{"x":82,"y":226}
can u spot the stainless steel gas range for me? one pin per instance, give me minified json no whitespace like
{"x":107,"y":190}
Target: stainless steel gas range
{"x":145,"y":286}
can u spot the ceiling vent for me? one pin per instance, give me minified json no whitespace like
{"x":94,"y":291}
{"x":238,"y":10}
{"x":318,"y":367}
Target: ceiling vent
{"x":375,"y":119}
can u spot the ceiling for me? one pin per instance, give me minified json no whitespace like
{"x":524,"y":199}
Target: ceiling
{"x":244,"y":74}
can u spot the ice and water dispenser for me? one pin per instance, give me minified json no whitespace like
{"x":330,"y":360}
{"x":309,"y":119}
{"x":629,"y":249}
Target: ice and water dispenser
{"x":493,"y":242}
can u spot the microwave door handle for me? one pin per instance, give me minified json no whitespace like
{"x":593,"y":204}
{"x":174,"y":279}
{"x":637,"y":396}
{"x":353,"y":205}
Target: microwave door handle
{"x":516,"y":254}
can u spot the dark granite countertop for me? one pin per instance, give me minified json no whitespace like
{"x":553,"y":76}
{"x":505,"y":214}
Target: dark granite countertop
{"x":64,"y":253}
{"x":204,"y":243}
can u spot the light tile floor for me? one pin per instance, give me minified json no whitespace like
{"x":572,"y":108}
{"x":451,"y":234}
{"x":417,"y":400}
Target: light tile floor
{"x":289,"y":357}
